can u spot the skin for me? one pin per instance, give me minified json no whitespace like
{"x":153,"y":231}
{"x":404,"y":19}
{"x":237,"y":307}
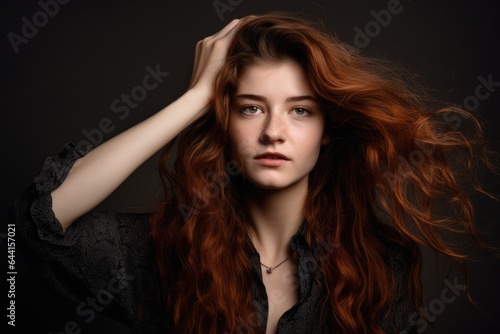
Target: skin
{"x":270,"y":116}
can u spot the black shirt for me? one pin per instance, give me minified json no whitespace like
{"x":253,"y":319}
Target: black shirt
{"x":109,"y":256}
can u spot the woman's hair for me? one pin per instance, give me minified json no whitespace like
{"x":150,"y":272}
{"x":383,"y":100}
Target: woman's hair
{"x":396,"y":173}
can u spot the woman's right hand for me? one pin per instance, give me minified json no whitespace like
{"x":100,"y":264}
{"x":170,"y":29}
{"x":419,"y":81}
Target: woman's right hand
{"x":210,"y":55}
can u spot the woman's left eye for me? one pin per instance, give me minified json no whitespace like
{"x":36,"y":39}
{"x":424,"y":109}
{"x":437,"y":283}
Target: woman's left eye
{"x":301,"y":111}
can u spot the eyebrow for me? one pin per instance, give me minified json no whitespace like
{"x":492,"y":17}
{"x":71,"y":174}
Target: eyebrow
{"x":263,"y":99}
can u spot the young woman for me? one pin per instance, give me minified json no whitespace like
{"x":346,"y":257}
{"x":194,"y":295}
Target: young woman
{"x":300,"y":180}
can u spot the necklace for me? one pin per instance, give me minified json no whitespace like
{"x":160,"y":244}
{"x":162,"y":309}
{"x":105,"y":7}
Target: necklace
{"x":269,"y":270}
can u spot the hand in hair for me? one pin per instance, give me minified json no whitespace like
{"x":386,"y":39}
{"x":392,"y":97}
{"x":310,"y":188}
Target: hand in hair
{"x":210,"y":55}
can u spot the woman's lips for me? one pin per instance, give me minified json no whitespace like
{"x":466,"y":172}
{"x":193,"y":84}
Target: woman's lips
{"x":271,"y":159}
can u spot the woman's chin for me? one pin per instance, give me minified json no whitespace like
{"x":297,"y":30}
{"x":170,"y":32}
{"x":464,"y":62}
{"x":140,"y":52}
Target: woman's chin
{"x":268,"y":184}
{"x":272,"y":184}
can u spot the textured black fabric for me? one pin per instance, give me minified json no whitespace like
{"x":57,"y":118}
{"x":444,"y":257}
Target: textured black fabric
{"x":109,"y":255}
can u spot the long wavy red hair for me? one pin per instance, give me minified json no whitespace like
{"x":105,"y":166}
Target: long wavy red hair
{"x":392,"y":160}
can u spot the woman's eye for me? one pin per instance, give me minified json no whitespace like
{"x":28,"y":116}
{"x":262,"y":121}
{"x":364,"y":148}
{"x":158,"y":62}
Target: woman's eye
{"x":250,"y":110}
{"x":301,"y":111}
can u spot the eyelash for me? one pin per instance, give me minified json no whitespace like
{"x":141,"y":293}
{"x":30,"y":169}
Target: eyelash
{"x":244,"y":108}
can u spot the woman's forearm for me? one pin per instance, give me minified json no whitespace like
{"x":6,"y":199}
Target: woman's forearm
{"x":96,"y":175}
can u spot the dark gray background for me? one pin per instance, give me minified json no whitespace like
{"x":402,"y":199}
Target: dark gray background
{"x":65,"y":78}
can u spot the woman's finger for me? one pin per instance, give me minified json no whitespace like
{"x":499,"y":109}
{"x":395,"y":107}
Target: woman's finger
{"x":226,"y":29}
{"x":211,"y":51}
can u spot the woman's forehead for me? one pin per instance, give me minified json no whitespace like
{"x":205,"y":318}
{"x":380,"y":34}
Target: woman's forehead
{"x":266,"y":78}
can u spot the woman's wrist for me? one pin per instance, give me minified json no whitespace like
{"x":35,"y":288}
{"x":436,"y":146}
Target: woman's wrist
{"x":200,"y":96}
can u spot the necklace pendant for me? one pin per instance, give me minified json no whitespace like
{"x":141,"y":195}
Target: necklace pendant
{"x":269,"y":270}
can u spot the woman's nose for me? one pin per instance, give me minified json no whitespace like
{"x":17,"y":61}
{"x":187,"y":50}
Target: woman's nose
{"x":274,"y":129}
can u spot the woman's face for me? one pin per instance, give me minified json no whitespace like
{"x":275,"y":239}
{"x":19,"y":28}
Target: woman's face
{"x":276,"y":125}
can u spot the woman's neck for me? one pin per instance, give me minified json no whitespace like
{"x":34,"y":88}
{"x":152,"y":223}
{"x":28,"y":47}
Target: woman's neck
{"x":276,"y":216}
